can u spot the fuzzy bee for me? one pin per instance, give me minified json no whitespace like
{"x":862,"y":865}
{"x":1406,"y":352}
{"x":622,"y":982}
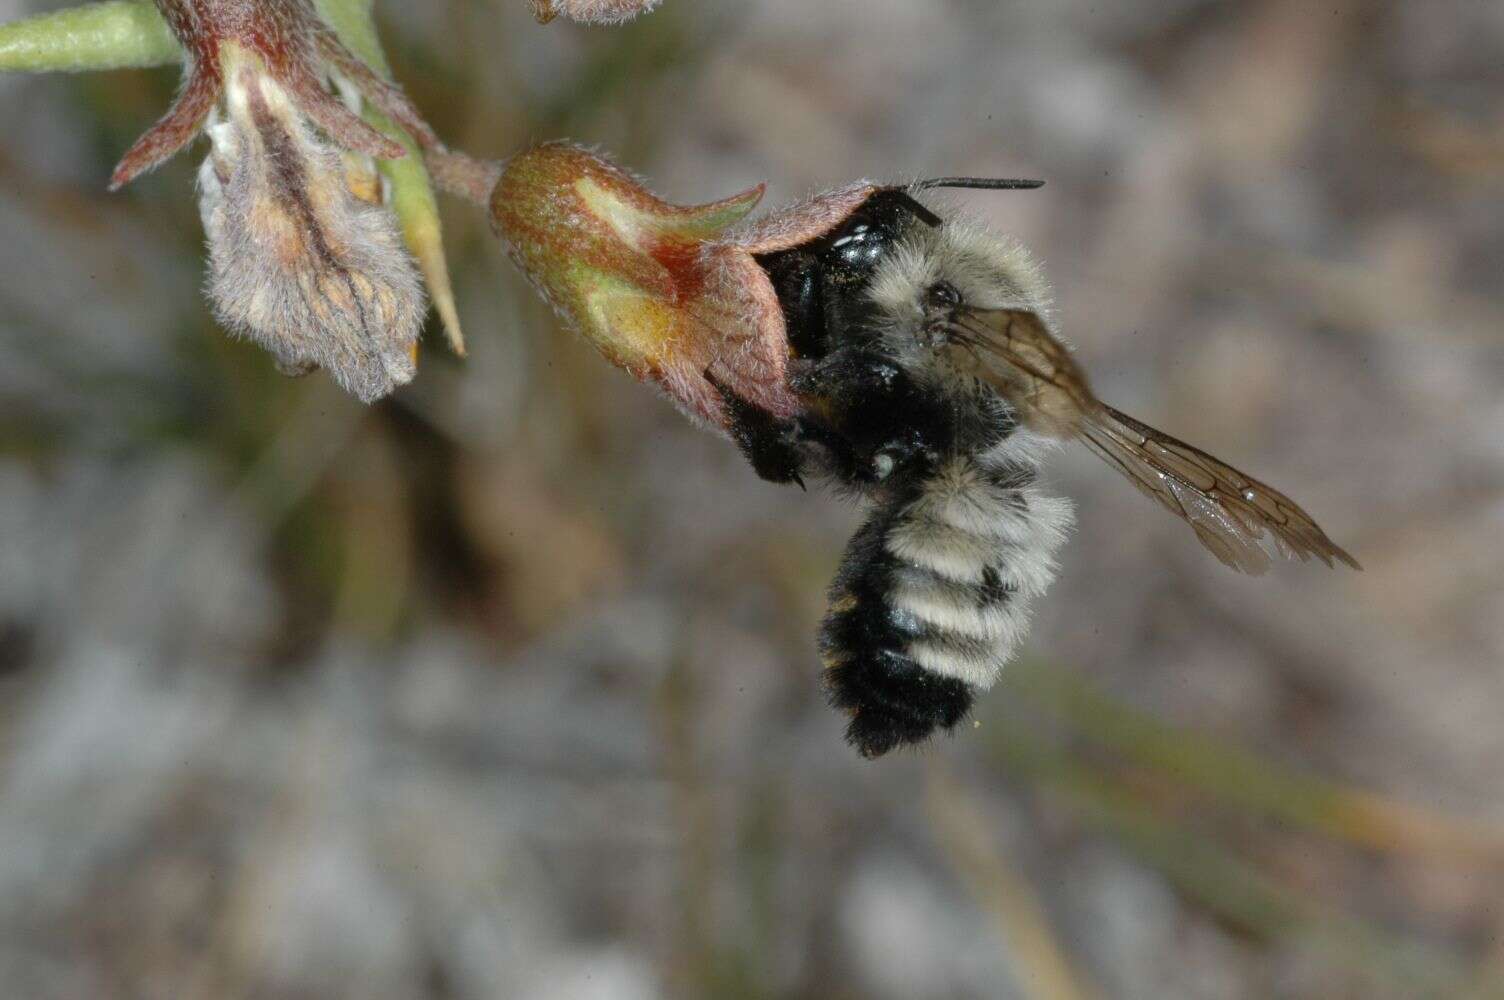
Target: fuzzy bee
{"x":867,"y":337}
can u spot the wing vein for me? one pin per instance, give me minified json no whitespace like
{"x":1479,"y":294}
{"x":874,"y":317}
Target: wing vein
{"x":1231,"y":512}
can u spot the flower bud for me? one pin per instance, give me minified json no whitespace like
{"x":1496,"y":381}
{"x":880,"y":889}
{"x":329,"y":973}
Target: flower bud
{"x":297,"y":262}
{"x":646,"y":281}
{"x":672,"y":294}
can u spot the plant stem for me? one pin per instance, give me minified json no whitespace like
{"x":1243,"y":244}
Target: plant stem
{"x":413,"y":199}
{"x":115,"y":34}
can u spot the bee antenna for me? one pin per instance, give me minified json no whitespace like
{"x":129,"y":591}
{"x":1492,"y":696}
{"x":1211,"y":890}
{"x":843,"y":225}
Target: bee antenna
{"x":980,"y":183}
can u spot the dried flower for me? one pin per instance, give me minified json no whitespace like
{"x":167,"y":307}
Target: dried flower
{"x":316,"y":201}
{"x":304,"y":259}
{"x":297,"y":262}
{"x":298,"y":50}
{"x":591,"y":11}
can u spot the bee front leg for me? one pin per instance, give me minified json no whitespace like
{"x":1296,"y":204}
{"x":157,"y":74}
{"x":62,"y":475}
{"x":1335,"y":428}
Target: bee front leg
{"x":782,"y":450}
{"x":890,"y":425}
{"x":769,"y":443}
{"x":903,"y":452}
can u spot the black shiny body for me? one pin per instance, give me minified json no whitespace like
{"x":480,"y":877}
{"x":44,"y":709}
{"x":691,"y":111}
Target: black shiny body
{"x":861,"y":402}
{"x":821,"y":285}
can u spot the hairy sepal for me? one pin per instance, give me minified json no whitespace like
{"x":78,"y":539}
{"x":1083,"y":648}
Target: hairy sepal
{"x":656,"y":287}
{"x":297,"y":263}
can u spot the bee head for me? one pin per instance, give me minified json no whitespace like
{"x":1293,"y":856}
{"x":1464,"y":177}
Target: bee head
{"x":938,"y":269}
{"x":869,"y":274}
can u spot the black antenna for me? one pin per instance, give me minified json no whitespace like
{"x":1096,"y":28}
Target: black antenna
{"x":923,"y":214}
{"x":979,"y":183}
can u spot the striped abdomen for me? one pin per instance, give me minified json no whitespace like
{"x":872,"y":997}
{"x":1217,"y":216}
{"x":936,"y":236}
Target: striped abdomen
{"x":933,"y":596}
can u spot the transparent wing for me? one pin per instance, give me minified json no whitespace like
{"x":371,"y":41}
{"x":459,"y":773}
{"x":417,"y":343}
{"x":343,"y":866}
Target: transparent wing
{"x":1231,"y":512}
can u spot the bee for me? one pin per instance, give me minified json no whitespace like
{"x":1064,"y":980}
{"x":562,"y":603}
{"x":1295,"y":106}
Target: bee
{"x":932,"y":385}
{"x":907,"y":354}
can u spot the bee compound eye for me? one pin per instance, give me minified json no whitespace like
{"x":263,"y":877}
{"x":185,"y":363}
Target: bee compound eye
{"x":942,"y":295}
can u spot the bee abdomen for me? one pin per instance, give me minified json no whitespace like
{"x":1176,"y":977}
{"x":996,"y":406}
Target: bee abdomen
{"x":933,"y":597}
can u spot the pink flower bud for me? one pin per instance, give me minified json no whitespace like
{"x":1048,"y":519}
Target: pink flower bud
{"x":672,"y":294}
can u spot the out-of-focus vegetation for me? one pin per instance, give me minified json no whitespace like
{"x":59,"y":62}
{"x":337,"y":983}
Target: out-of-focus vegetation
{"x":507,"y":685}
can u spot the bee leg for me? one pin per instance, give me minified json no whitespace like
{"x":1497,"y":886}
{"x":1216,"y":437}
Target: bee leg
{"x":893,"y":425}
{"x":907,"y":451}
{"x":769,"y":443}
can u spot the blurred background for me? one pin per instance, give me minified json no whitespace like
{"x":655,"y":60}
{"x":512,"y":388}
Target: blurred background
{"x":507,"y":686}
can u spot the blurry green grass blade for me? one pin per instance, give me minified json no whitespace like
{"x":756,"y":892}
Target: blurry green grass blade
{"x":417,"y":210}
{"x":1227,"y":885}
{"x":115,"y":34}
{"x":1222,"y":883}
{"x":1045,"y":970}
{"x":412,"y":192}
{"x":1249,"y":781}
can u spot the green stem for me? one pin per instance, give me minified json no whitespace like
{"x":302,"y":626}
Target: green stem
{"x":412,"y":193}
{"x":114,"y":34}
{"x":352,"y":20}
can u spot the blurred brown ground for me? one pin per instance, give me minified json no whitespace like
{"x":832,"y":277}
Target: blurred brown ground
{"x":507,"y":687}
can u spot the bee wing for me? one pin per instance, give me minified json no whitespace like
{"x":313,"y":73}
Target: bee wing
{"x":1230,"y":511}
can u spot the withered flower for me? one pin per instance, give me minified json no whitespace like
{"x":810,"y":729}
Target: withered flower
{"x":298,"y":50}
{"x":304,"y":258}
{"x":591,"y":11}
{"x":318,"y":195}
{"x":298,"y":263}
